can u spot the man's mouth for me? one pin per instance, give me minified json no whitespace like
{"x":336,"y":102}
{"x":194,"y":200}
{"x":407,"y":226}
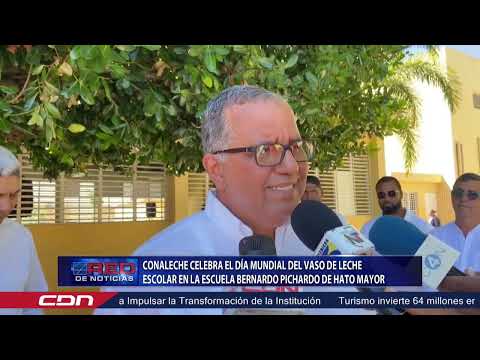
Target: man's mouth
{"x":282,"y":187}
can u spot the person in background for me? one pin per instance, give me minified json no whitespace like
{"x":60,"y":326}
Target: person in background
{"x":389,"y":194}
{"x":463,"y":233}
{"x":314,"y":191}
{"x":434,"y":220}
{"x":20,"y":269}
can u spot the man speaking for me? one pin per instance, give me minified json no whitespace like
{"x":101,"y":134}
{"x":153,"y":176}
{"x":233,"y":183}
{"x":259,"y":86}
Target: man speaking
{"x":254,"y":154}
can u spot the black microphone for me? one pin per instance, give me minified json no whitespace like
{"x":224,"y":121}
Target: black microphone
{"x":311,"y":220}
{"x":257,"y":245}
{"x":317,"y":226}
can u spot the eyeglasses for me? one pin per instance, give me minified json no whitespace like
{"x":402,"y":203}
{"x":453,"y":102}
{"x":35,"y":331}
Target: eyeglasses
{"x":391,"y":194}
{"x":471,"y":195}
{"x":273,"y":154}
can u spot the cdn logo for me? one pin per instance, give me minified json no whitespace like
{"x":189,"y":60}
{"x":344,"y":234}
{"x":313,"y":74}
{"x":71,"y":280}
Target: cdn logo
{"x":65,"y":300}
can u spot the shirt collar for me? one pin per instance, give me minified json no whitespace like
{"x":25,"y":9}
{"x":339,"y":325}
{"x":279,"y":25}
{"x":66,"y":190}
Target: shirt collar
{"x":231,"y":224}
{"x":471,"y":232}
{"x":224,"y":218}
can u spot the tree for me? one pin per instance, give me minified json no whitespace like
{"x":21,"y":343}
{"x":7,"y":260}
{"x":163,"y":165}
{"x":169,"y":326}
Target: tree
{"x":68,"y":106}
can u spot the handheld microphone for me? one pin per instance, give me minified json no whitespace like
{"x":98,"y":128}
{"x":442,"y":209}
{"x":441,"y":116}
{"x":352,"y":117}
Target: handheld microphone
{"x":318,"y":227}
{"x":393,"y":235}
{"x":313,"y":222}
{"x":257,"y":245}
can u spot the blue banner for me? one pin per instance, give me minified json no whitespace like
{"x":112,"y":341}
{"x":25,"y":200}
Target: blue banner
{"x":293,"y":300}
{"x":214,"y":271}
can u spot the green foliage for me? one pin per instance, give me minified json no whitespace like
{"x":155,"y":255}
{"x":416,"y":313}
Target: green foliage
{"x":116,"y":104}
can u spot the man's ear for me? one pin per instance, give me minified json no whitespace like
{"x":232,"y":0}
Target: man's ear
{"x":215,"y":170}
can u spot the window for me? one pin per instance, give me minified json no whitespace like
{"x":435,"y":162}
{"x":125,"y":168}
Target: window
{"x":347,"y":189}
{"x":99,"y":195}
{"x":410,"y":201}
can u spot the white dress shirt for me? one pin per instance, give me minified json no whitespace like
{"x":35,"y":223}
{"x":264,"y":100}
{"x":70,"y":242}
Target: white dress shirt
{"x":421,"y":224}
{"x":215,"y":232}
{"x":20,"y":269}
{"x":469,"y":246}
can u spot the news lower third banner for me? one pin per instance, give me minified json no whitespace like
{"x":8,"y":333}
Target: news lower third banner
{"x":372,"y":271}
{"x":237,"y":300}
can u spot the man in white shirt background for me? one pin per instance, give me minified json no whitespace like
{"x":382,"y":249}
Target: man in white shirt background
{"x":20,"y":268}
{"x":389,"y":195}
{"x":258,"y":161}
{"x":463,"y":233}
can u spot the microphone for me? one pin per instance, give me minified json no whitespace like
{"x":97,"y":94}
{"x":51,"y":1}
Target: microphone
{"x":315,"y":223}
{"x":257,"y":245}
{"x":393,"y":235}
{"x":320,"y":229}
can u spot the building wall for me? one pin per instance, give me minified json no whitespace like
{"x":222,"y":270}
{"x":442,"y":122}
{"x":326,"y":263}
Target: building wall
{"x":466,"y":120}
{"x":107,"y":239}
{"x":435,"y":148}
{"x":423,"y":184}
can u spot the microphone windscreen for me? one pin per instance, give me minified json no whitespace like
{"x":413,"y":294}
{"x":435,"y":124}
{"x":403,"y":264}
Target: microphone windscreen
{"x":311,"y":220}
{"x":392,"y":235}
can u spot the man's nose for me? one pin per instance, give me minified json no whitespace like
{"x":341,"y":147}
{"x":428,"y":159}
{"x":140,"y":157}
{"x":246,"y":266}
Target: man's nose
{"x":289,"y":164}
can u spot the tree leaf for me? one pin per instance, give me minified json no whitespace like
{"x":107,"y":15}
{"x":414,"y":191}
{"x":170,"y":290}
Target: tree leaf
{"x":127,"y":48}
{"x":49,"y":130}
{"x":36,"y":119}
{"x":86,"y":95}
{"x":38,"y":69}
{"x":106,"y":87}
{"x":52,"y":110}
{"x":312,"y":79}
{"x":105,"y":129}
{"x":65,"y":69}
{"x":291,"y":61}
{"x":210,"y":61}
{"x":9,"y":90}
{"x":221,"y":50}
{"x":51,"y":88}
{"x":152,"y":47}
{"x":265,"y":62}
{"x":67,"y":159}
{"x":4,"y":127}
{"x":207,"y":80}
{"x":76,"y":128}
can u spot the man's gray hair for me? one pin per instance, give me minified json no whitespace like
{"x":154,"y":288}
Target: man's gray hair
{"x":215,"y":131}
{"x":9,"y":165}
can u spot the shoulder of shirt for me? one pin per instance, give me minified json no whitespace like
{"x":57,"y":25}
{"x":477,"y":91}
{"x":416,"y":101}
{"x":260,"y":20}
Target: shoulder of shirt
{"x":440,"y":230}
{"x":16,"y":227}
{"x":180,"y":238}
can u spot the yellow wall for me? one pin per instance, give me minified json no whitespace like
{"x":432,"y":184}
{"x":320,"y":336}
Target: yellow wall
{"x":358,"y":221}
{"x":425,"y":183}
{"x":466,"y":120}
{"x":115,"y":239}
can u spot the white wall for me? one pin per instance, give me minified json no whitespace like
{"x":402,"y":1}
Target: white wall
{"x":435,"y":148}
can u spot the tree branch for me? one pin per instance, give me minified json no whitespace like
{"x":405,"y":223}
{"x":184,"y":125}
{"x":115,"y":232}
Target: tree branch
{"x":15,"y":100}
